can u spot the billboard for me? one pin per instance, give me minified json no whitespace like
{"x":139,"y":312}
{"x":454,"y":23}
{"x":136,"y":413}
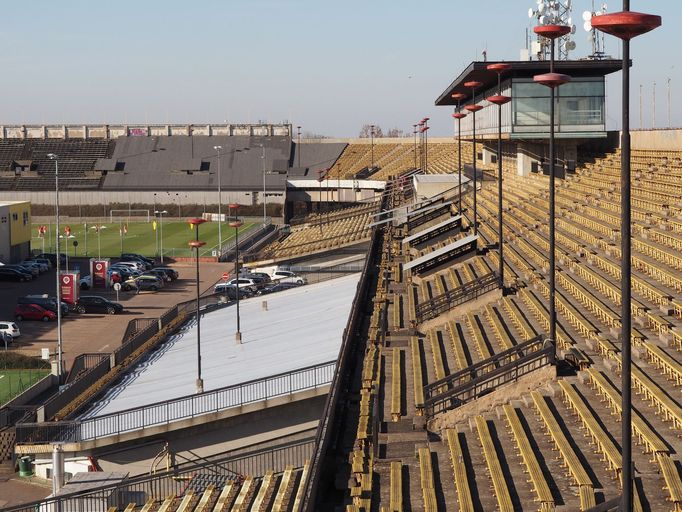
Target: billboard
{"x":68,"y":287}
{"x":99,"y":271}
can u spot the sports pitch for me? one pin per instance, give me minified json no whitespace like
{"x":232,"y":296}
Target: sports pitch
{"x":141,"y":237}
{"x":13,"y":382}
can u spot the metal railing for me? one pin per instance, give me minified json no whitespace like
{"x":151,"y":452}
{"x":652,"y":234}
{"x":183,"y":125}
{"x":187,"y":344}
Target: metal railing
{"x":83,"y":362}
{"x":169,"y":411}
{"x":485,"y":376}
{"x":196,"y":476}
{"x":451,"y":298}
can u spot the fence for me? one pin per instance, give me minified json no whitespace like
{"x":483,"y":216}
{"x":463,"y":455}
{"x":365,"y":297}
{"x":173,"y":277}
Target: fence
{"x":169,"y":411}
{"x":445,"y":302}
{"x":485,"y":376}
{"x":14,"y":382}
{"x":197,"y":476}
{"x":84,"y":362}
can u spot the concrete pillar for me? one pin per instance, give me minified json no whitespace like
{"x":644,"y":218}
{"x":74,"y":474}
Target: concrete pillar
{"x":523,"y":162}
{"x":57,"y":468}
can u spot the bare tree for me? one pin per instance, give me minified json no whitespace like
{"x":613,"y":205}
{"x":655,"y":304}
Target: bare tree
{"x":395,"y":132}
{"x":367,"y":128}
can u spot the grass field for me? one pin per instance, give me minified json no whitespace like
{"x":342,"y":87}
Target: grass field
{"x":13,"y":382}
{"x":140,"y":238}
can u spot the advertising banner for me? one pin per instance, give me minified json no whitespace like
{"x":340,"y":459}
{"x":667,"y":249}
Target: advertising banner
{"x":68,"y":286}
{"x":98,"y":271}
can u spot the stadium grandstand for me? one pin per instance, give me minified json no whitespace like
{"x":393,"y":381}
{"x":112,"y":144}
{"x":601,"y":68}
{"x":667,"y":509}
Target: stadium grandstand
{"x":457,"y":347}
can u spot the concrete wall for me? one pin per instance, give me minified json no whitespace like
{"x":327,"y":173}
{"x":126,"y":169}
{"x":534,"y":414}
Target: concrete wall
{"x":209,"y":439}
{"x":665,"y":140}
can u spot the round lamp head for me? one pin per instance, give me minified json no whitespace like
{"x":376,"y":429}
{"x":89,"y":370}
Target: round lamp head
{"x":196,"y":221}
{"x":499,"y":99}
{"x":552,"y":31}
{"x":459,"y":115}
{"x":551,"y":79}
{"x":499,"y":67}
{"x":473,"y":84}
{"x":626,"y":24}
{"x":458,"y":96}
{"x":236,"y":224}
{"x":473,"y":108}
{"x":195,"y":244}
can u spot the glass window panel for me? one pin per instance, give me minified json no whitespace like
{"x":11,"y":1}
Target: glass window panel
{"x":580,"y":88}
{"x":529,"y":90}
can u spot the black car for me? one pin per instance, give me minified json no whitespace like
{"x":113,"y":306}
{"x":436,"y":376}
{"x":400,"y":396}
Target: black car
{"x":12,"y":274}
{"x":265,"y":278}
{"x":276,"y":287}
{"x":95,"y":304}
{"x":230,"y":291}
{"x":137,"y":256}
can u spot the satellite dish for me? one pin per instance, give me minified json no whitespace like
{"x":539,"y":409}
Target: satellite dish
{"x":531,"y":13}
{"x":587,"y":16}
{"x":541,"y":8}
{"x":587,"y":26}
{"x":603,"y":7}
{"x":570,"y":46}
{"x":572,"y":29}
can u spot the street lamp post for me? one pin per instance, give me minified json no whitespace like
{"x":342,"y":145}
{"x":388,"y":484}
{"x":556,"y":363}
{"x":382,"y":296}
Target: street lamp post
{"x":265,"y":201}
{"x":414,"y":130}
{"x":499,"y":100}
{"x":220,"y":201}
{"x":160,"y":215}
{"x":552,"y":80}
{"x":298,"y":143}
{"x":371,"y":135}
{"x":459,"y":116}
{"x":626,"y":25}
{"x":426,"y":144}
{"x":54,"y":157}
{"x":197,"y":244}
{"x":236,"y":224}
{"x":473,"y":108}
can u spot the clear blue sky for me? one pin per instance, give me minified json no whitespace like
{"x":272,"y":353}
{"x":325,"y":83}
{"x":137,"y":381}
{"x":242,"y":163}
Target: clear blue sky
{"x":328,"y":66}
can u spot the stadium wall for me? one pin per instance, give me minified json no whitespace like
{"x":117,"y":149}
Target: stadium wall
{"x":103,"y":197}
{"x":666,"y":140}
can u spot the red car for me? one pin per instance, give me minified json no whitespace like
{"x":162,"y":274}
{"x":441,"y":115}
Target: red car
{"x":33,"y":312}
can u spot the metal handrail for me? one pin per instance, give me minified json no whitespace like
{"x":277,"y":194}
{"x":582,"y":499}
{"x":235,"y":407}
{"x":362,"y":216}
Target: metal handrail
{"x":168,"y":411}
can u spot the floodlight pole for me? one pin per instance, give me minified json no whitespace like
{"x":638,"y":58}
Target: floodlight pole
{"x":236,"y":223}
{"x":60,"y":369}
{"x":473,"y":108}
{"x":220,"y":201}
{"x":426,"y":145}
{"x":265,"y":201}
{"x":626,"y":25}
{"x":459,"y":116}
{"x":298,"y":129}
{"x":414,"y":126}
{"x":197,"y":244}
{"x":160,"y":215}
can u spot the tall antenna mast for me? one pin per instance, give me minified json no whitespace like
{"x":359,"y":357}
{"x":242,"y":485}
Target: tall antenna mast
{"x":553,"y":12}
{"x":595,"y":37}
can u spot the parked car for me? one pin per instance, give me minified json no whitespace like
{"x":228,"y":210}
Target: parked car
{"x":285,"y":276}
{"x":135,"y":265}
{"x":230,"y":291}
{"x":242,"y":282}
{"x":44,"y":301}
{"x":260,"y":275}
{"x":276,"y":287}
{"x":138,"y":256}
{"x":27,"y":269}
{"x":170,"y":271}
{"x":145,"y":265}
{"x":151,"y":283}
{"x":125,"y":271}
{"x":42,"y":267}
{"x":161,"y":274}
{"x":33,"y":312}
{"x":12,"y":274}
{"x":9,"y":328}
{"x":53,"y":258}
{"x":43,"y":261}
{"x":96,"y":304}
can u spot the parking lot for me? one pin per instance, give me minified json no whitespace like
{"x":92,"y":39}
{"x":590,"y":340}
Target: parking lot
{"x":91,"y":333}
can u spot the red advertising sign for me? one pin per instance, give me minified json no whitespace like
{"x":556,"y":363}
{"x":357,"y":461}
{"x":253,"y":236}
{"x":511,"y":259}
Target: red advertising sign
{"x":68,"y":286}
{"x":98,"y":271}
